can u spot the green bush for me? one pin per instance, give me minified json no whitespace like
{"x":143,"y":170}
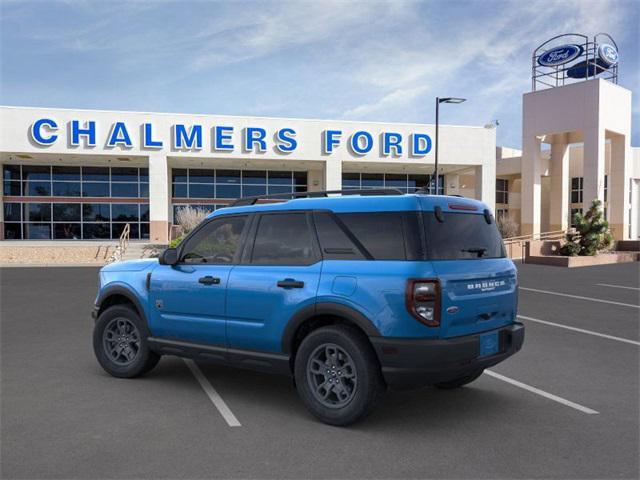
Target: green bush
{"x":592,"y":233}
{"x":176,"y":241}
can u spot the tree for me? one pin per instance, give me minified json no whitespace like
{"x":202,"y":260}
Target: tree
{"x":508,"y":226}
{"x":592,"y":233}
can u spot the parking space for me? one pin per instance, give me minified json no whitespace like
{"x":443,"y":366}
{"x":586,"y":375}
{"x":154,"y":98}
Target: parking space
{"x":63,"y":417}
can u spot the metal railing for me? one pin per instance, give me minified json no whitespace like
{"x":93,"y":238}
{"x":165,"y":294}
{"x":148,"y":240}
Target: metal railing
{"x":123,"y":244}
{"x":515,"y":246}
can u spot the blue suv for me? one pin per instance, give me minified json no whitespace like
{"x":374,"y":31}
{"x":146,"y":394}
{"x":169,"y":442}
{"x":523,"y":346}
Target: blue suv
{"x":349,"y":294}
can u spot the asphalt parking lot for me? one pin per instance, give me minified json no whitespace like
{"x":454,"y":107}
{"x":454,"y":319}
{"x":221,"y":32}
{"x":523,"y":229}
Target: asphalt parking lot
{"x":567,"y":406}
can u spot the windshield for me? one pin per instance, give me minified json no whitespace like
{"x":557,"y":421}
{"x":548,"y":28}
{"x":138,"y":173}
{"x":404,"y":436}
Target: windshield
{"x":461,"y":236}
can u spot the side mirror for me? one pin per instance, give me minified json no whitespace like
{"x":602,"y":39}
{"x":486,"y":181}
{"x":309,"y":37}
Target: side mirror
{"x":169,"y":257}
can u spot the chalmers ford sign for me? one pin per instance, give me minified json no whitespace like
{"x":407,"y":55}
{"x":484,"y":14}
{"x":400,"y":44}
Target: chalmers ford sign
{"x":222,"y":138}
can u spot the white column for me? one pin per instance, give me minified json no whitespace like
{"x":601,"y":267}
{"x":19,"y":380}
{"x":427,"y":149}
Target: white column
{"x":559,"y":205}
{"x":332,"y":174}
{"x":315,"y":180}
{"x":485,"y":177}
{"x":593,"y":167}
{"x":531,"y":186}
{"x":452,"y":184}
{"x":618,"y":188}
{"x":159,"y":198}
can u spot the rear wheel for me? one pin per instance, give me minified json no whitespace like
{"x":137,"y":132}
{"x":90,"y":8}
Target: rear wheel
{"x":337,"y":375}
{"x":460,"y":381}
{"x":120,"y":343}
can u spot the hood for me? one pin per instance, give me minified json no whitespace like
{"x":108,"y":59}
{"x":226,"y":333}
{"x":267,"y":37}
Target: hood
{"x":130,"y":265}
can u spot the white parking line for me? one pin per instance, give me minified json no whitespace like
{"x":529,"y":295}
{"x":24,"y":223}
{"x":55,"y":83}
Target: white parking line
{"x":581,"y":330}
{"x":213,"y":395}
{"x":616,"y":286}
{"x":580,"y":298}
{"x":542,"y":393}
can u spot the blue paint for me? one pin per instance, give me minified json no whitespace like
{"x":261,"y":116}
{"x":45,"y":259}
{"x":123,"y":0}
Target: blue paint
{"x":255,"y":137}
{"x":222,"y":138}
{"x":187,"y":138}
{"x":286,"y":140}
{"x":147,"y":137}
{"x":420,"y":144}
{"x":119,"y":136}
{"x":330,"y":140}
{"x":361,"y":142}
{"x":37,"y":134}
{"x":89,"y":132}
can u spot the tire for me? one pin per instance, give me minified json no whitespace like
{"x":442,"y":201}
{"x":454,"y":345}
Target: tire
{"x":343,"y":355}
{"x":132,"y":357}
{"x":460,"y":381}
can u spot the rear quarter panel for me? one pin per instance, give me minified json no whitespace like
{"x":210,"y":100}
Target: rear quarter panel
{"x":377,"y":290}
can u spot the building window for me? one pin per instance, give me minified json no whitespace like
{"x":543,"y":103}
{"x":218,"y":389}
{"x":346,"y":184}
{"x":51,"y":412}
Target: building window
{"x":502,"y":213}
{"x":606,"y":187}
{"x":502,"y":190}
{"x":576,"y":190}
{"x":65,"y":213}
{"x":406,"y":183}
{"x":573,"y":212}
{"x":197,"y":185}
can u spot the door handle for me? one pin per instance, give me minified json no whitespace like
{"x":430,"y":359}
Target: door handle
{"x":209,"y":280}
{"x":290,"y":283}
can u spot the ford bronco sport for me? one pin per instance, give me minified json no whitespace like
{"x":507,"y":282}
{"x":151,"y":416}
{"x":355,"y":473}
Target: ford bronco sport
{"x":350,"y":294}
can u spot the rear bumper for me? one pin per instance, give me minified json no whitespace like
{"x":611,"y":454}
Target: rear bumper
{"x":414,"y":363}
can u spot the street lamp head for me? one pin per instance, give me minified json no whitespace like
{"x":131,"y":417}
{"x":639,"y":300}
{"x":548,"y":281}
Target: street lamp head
{"x":451,"y":100}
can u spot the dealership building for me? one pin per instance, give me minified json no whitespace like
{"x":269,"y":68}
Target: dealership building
{"x":85,"y":174}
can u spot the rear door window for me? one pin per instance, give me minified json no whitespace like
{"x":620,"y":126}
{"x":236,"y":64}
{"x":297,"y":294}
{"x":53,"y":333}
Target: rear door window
{"x":284,"y":239}
{"x":461,"y":236}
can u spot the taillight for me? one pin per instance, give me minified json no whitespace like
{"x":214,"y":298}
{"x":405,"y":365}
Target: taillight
{"x":423,"y":301}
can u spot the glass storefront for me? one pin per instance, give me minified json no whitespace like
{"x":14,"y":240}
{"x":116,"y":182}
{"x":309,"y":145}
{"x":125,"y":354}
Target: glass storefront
{"x":77,"y":202}
{"x":198,"y":184}
{"x":406,"y":183}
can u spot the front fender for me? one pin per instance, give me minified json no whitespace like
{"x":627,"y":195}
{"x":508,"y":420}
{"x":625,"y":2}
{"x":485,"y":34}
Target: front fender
{"x":121,"y":288}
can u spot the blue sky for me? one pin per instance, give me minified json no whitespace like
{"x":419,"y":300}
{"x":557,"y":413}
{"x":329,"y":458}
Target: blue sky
{"x":377,"y":61}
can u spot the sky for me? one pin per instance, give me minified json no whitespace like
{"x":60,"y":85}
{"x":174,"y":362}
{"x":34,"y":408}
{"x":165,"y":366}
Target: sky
{"x":344,"y":60}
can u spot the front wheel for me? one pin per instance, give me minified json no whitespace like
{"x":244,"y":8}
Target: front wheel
{"x":337,"y":375}
{"x":120,"y":343}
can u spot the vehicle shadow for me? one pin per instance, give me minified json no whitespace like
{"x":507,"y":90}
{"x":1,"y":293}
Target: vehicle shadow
{"x":268,"y":396}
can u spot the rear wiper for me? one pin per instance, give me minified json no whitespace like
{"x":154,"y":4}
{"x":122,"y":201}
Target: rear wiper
{"x":479,"y":250}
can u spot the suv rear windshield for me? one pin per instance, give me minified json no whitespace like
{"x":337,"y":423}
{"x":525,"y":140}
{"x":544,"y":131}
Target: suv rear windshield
{"x":461,"y":236}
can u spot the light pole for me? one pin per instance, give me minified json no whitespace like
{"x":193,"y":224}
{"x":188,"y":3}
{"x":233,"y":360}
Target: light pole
{"x":438,"y":102}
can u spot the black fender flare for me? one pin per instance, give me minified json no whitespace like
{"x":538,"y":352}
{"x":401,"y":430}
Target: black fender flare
{"x":326,"y":308}
{"x":125,"y":292}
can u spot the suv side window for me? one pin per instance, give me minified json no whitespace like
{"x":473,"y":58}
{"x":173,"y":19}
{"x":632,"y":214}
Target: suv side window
{"x":334,"y":242}
{"x":283,"y":239}
{"x":381,"y":233}
{"x":216,"y":242}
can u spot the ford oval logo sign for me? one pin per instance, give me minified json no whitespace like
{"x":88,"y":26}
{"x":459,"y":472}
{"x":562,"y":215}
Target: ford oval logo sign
{"x":608,"y":54}
{"x":560,"y":55}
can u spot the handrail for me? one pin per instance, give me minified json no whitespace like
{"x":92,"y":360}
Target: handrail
{"x":538,"y":236}
{"x":123,"y":244}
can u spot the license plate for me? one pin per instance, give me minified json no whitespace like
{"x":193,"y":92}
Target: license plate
{"x":489,"y":344}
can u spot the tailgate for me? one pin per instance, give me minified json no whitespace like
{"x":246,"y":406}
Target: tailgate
{"x":477,"y":295}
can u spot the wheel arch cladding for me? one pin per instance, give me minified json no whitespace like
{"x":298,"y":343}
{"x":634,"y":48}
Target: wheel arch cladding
{"x":319,"y":315}
{"x":119,"y":295}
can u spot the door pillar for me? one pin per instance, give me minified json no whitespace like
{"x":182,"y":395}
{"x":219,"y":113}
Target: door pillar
{"x":593,"y":167}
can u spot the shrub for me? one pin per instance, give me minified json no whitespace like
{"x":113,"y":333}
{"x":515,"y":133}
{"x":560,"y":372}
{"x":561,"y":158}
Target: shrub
{"x":176,"y":241}
{"x":189,"y":218}
{"x":592,"y":233}
{"x":508,"y":226}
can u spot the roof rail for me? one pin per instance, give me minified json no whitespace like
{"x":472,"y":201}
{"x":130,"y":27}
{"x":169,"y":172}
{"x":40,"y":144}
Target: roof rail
{"x":241,"y":202}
